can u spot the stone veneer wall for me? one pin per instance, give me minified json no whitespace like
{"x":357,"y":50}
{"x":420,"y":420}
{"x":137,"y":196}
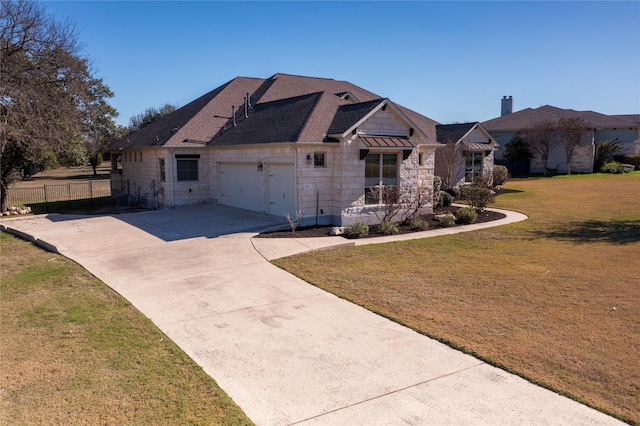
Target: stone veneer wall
{"x":141,"y":174}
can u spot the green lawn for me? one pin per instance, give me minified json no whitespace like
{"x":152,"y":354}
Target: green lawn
{"x":72,"y":352}
{"x":554,"y":299}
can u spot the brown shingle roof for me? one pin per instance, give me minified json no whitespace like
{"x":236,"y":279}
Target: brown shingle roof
{"x":205,"y":118}
{"x":527,"y":117}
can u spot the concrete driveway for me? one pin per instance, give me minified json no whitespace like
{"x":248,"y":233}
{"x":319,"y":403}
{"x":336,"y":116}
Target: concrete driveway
{"x":285,"y":351}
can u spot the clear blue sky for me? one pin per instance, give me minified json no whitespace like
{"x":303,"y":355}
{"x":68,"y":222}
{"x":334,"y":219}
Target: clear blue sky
{"x":451,"y":61}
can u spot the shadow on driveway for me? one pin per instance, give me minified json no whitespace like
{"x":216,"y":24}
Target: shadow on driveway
{"x":185,"y":222}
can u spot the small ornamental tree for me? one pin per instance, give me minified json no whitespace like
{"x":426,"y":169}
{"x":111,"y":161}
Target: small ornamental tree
{"x":541,"y":137}
{"x":571,"y":131}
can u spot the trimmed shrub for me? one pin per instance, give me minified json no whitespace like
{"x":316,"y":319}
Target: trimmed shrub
{"x":478,"y":197}
{"x":419,"y":224}
{"x":453,"y":191}
{"x":628,"y":159}
{"x":500,"y":175}
{"x":386,"y":227}
{"x":466,"y":215}
{"x":437,"y":200}
{"x":447,"y":220}
{"x":357,"y":230}
{"x":446,"y":198}
{"x":612,"y":167}
{"x":437,"y":184}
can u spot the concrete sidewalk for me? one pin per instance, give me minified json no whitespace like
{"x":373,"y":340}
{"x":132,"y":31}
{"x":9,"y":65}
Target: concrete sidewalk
{"x":285,"y":351}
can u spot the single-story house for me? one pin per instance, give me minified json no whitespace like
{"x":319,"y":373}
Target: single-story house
{"x":467,"y":153}
{"x":601,"y":127}
{"x":314,"y":147}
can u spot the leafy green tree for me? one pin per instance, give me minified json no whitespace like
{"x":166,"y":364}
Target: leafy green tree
{"x":517,"y":148}
{"x":48,"y":93}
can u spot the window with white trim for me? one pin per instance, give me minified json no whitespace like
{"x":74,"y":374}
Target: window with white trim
{"x":472,"y":165}
{"x":380,"y":171}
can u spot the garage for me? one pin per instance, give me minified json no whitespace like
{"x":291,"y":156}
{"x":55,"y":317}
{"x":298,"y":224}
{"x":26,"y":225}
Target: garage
{"x":239,"y":186}
{"x":281,"y":189}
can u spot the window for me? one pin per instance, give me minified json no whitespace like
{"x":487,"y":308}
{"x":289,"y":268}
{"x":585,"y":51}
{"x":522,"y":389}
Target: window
{"x":380,"y":170}
{"x":472,"y":165}
{"x":187,"y":167}
{"x":163,"y":174}
{"x":319,"y":159}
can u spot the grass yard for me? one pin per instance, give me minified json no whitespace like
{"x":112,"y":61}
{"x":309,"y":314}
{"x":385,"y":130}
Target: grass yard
{"x":554,"y":299}
{"x":72,"y":352}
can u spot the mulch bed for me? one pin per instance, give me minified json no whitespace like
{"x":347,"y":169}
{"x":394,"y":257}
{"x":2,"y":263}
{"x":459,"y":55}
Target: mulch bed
{"x":323,"y":231}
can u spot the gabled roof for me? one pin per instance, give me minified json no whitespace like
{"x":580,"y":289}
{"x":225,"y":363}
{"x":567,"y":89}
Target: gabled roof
{"x":270,"y":122}
{"x":457,"y":133}
{"x":526,"y":117}
{"x":209,"y":117}
{"x":199,"y":120}
{"x":453,"y":132}
{"x":348,"y":115}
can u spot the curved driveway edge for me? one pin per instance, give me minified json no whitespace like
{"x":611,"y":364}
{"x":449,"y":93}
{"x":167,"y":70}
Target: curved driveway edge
{"x":285,"y":351}
{"x":274,"y":248}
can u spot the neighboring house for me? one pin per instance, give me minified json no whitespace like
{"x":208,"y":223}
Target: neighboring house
{"x":467,"y":153}
{"x":626,"y":128}
{"x":283,"y":145}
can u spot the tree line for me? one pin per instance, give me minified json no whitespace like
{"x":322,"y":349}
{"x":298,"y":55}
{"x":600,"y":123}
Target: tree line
{"x":54,"y":110}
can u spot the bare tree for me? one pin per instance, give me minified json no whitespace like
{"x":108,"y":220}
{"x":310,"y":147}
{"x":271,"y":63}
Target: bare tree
{"x":448,"y":162}
{"x":571,"y":131}
{"x":47,"y":91}
{"x":541,"y":138}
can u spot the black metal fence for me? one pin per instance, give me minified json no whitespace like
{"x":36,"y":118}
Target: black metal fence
{"x":60,"y":198}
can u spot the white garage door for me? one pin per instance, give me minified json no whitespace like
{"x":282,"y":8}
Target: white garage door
{"x":281,"y":189}
{"x":239,"y":186}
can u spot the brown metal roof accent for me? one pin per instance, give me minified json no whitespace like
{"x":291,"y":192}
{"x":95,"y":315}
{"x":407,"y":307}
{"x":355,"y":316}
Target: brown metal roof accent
{"x":386,"y":142}
{"x":475,"y":146}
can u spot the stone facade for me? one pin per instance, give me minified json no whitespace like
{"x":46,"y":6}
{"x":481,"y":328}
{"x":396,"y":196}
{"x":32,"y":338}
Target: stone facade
{"x":329,"y":193}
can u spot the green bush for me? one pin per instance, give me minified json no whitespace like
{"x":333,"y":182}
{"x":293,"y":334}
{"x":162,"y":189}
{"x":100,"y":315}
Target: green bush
{"x":437,"y":200}
{"x":447,"y":220}
{"x":437,"y":184}
{"x":455,"y":192}
{"x":500,"y":175}
{"x":447,"y":198}
{"x":478,"y":197}
{"x":357,"y":230}
{"x":628,"y":159}
{"x":612,"y":167}
{"x":466,"y":215}
{"x":419,"y":224}
{"x":387,"y":227}
{"x":604,"y":153}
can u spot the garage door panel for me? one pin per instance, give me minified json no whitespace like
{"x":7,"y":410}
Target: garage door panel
{"x":281,"y":189}
{"x":239,"y":186}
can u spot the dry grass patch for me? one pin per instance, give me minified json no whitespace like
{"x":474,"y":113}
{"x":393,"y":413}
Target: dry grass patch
{"x":554,"y":299}
{"x":74,"y":352}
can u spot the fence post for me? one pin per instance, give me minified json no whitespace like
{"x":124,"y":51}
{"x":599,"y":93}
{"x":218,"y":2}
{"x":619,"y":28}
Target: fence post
{"x":46,"y":210}
{"x":91,"y":193}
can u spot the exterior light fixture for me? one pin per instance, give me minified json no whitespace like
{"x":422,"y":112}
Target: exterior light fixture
{"x":309,"y":159}
{"x":260,"y":166}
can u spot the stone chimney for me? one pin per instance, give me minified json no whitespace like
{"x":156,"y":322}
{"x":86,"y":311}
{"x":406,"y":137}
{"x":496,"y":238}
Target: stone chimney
{"x":507,"y":106}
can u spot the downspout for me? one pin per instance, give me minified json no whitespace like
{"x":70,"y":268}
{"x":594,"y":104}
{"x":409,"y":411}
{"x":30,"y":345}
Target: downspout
{"x":173,"y":197}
